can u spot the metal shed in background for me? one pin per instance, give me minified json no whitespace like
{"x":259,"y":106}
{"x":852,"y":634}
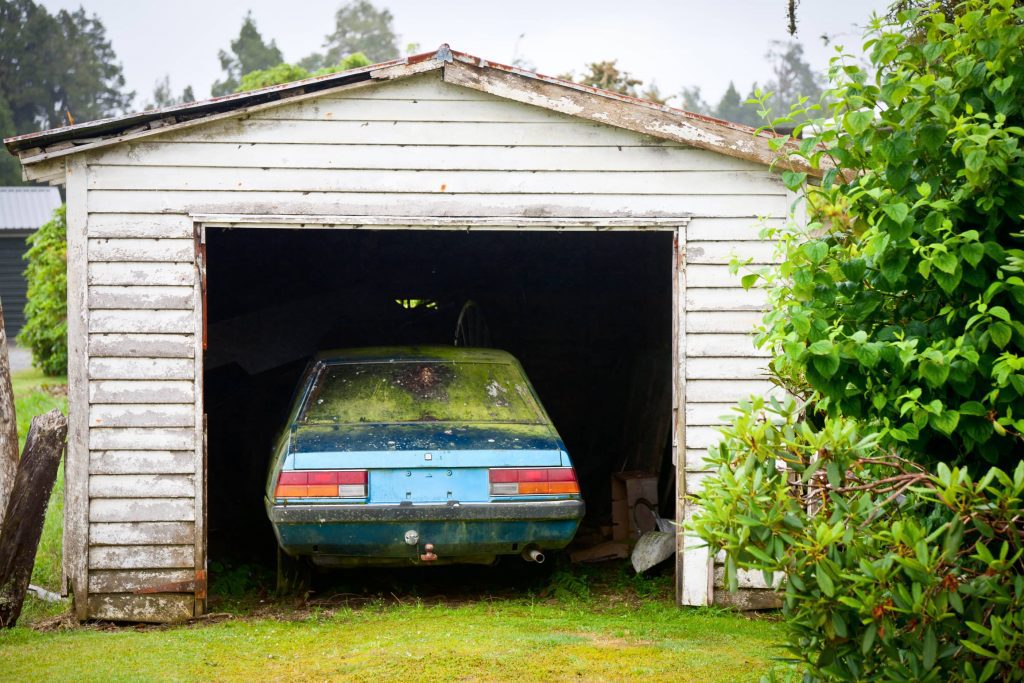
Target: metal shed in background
{"x":613,"y":216}
{"x":22,"y":211}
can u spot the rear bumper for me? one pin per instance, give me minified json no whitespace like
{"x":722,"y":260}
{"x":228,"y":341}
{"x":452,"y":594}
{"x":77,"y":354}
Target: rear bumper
{"x":462,"y":512}
{"x":377,"y":533}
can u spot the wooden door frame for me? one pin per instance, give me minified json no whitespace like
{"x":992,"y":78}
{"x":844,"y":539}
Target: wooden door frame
{"x":693,"y":575}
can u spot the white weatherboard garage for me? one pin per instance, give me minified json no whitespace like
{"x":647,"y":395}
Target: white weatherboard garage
{"x":439,"y":142}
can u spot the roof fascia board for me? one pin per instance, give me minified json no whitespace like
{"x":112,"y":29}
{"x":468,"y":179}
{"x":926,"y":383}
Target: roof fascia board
{"x":623,"y":112}
{"x":387,"y":73}
{"x":53,"y":171}
{"x":282,"y":90}
{"x":609,"y":108}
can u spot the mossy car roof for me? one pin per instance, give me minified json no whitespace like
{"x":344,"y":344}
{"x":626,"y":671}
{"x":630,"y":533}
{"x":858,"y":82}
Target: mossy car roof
{"x":416,"y":353}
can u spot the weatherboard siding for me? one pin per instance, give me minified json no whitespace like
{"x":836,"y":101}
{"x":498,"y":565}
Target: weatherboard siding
{"x":419,"y":147}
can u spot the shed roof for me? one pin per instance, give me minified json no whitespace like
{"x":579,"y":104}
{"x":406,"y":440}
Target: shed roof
{"x":603,"y":106}
{"x":26,"y":208}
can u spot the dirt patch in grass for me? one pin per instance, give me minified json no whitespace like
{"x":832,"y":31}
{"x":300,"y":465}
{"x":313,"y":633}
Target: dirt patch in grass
{"x":603,"y":640}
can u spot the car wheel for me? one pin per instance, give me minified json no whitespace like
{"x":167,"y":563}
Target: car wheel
{"x":294,"y":574}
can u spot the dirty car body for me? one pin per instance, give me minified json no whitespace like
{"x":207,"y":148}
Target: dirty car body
{"x":394,"y":456}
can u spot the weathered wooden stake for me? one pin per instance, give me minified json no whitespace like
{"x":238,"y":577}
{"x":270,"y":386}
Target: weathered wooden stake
{"x":8,"y":425}
{"x":26,"y":510}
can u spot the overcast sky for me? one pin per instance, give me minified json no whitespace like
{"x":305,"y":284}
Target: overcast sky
{"x":673,"y":42}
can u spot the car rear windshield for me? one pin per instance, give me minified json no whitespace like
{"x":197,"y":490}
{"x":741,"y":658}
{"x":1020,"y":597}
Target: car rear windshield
{"x":420,"y":391}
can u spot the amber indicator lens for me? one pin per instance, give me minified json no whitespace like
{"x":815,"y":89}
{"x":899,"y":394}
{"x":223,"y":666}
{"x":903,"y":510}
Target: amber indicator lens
{"x":322,"y":484}
{"x":532,"y":481}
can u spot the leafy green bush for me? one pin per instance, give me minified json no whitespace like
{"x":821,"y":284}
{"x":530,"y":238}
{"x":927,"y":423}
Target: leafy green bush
{"x":890,"y":572}
{"x":901,"y":302}
{"x":286,"y":73}
{"x":46,"y":312}
{"x":895,"y":318}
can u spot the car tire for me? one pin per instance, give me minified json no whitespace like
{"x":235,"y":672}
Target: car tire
{"x":294,"y":574}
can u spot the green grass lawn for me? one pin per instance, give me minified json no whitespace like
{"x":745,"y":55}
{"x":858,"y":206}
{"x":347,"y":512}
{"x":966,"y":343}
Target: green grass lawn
{"x":483,"y":640}
{"x":578,"y":623}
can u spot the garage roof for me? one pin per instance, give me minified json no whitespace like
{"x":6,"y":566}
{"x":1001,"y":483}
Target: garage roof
{"x":603,"y":106}
{"x":26,"y":208}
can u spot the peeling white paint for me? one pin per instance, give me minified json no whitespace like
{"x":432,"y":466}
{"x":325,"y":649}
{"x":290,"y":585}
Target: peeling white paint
{"x":687,"y":132}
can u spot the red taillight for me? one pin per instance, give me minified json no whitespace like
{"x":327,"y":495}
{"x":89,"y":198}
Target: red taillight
{"x":533,"y":481}
{"x":322,"y":484}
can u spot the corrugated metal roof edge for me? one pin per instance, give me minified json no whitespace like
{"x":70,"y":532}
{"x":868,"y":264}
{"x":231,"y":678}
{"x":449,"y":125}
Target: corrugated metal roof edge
{"x":192,"y":110}
{"x":34,"y":147}
{"x":28,"y":188}
{"x":24,"y":209}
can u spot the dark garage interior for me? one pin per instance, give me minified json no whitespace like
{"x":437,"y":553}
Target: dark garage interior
{"x":587,"y":313}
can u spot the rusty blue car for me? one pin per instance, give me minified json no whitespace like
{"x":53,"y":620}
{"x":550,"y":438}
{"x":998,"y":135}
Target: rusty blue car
{"x":419,"y":455}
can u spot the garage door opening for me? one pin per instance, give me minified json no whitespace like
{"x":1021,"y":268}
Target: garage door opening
{"x":588,"y":314}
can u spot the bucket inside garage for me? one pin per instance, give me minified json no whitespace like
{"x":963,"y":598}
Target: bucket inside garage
{"x":587,"y":313}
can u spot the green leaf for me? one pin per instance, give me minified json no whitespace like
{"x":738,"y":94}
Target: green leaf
{"x":867,"y":354}
{"x":973,"y":408}
{"x":974,"y":160}
{"x":894,"y":264}
{"x":825,"y":581}
{"x":956,"y":602}
{"x":945,"y":422}
{"x":1000,"y":333}
{"x":954,"y":536}
{"x":947,"y":281}
{"x":932,"y":136}
{"x":858,"y":121}
{"x":973,"y":252}
{"x":869,"y":638}
{"x":854,"y":269}
{"x":931,"y":648}
{"x":793,"y":180}
{"x":934,"y":373}
{"x":822,"y":347}
{"x":898,"y":212}
{"x":978,"y":649}
{"x":760,"y":555}
{"x":815,"y":251}
{"x":748,"y":281}
{"x":839,"y":625}
{"x":945,"y":262}
{"x":801,"y":323}
{"x":826,"y":365}
{"x":999,"y":312}
{"x":835,"y":477}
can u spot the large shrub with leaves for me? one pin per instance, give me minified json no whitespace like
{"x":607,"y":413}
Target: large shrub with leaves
{"x":902,"y":305}
{"x":895,"y":320}
{"x":286,"y":73}
{"x":46,"y":312}
{"x":891,"y":572}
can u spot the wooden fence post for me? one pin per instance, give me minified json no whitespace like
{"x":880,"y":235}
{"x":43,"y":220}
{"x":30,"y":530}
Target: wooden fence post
{"x":8,"y":425}
{"x":26,"y":510}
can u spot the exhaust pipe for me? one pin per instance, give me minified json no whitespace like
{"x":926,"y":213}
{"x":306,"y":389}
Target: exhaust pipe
{"x":533,"y":555}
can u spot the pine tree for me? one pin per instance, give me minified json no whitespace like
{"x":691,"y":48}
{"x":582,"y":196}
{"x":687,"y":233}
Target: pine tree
{"x":248,"y":53}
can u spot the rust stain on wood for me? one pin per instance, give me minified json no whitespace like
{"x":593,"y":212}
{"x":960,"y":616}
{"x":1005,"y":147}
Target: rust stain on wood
{"x":196,"y":585}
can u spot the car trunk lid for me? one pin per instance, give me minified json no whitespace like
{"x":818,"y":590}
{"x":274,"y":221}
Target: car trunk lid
{"x":425,"y":463}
